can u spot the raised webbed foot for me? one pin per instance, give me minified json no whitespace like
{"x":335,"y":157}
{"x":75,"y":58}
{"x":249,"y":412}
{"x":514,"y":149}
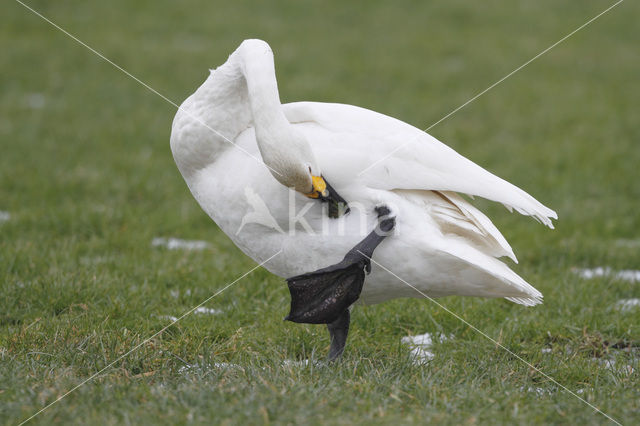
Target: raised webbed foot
{"x":324,"y":296}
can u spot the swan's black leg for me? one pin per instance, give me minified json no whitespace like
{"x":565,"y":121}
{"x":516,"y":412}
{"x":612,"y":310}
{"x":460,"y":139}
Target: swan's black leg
{"x":338,"y":330}
{"x":324,"y":296}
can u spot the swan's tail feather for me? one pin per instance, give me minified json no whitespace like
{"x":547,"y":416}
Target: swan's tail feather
{"x":457,"y":218}
{"x":526,"y":301}
{"x":483,"y":225}
{"x":526,"y":205}
{"x":491,"y":277}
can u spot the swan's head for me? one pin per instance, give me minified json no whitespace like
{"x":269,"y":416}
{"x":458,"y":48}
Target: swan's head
{"x":292,"y":162}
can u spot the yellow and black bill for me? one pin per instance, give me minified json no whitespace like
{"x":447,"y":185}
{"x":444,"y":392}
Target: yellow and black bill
{"x":324,"y":192}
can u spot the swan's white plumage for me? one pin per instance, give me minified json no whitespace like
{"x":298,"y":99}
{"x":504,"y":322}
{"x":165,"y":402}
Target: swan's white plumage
{"x":443,"y":244}
{"x":417,"y":160}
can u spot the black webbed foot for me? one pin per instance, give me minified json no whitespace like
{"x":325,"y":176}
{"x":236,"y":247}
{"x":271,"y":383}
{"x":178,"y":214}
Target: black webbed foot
{"x":320,"y":297}
{"x":324,"y":296}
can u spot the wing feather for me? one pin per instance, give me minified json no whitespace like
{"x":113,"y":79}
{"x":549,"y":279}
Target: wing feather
{"x":411,"y":158}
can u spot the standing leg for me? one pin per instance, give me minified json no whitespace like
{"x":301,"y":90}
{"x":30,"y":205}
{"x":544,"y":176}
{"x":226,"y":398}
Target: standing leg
{"x":338,"y":330}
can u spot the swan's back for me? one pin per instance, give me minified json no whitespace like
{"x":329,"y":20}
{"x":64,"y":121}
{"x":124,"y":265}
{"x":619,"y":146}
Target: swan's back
{"x":412,"y":159}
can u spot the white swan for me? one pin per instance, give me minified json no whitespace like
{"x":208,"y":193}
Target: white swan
{"x":441,"y":244}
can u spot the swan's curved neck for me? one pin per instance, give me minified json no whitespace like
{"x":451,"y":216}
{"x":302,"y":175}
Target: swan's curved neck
{"x":284,"y":152}
{"x":254,"y":60}
{"x":242,"y":91}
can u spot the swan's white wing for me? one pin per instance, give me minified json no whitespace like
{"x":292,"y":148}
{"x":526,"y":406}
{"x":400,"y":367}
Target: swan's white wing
{"x":457,"y":217}
{"x":413,"y":159}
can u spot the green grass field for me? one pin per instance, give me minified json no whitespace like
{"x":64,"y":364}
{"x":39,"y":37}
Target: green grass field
{"x":87,"y":181}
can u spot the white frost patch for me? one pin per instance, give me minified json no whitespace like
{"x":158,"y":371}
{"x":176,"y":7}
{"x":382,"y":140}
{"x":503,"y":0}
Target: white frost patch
{"x":200,"y":369}
{"x":195,"y":368}
{"x":627,"y":305}
{"x":205,"y":310}
{"x":295,"y":362}
{"x":421,"y":344}
{"x":178,"y":244}
{"x":168,"y":317}
{"x":200,"y":310}
{"x":35,"y":100}
{"x":4,"y":216}
{"x":626,"y":275}
{"x":611,"y":364}
{"x":176,"y":293}
{"x":538,"y":391}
